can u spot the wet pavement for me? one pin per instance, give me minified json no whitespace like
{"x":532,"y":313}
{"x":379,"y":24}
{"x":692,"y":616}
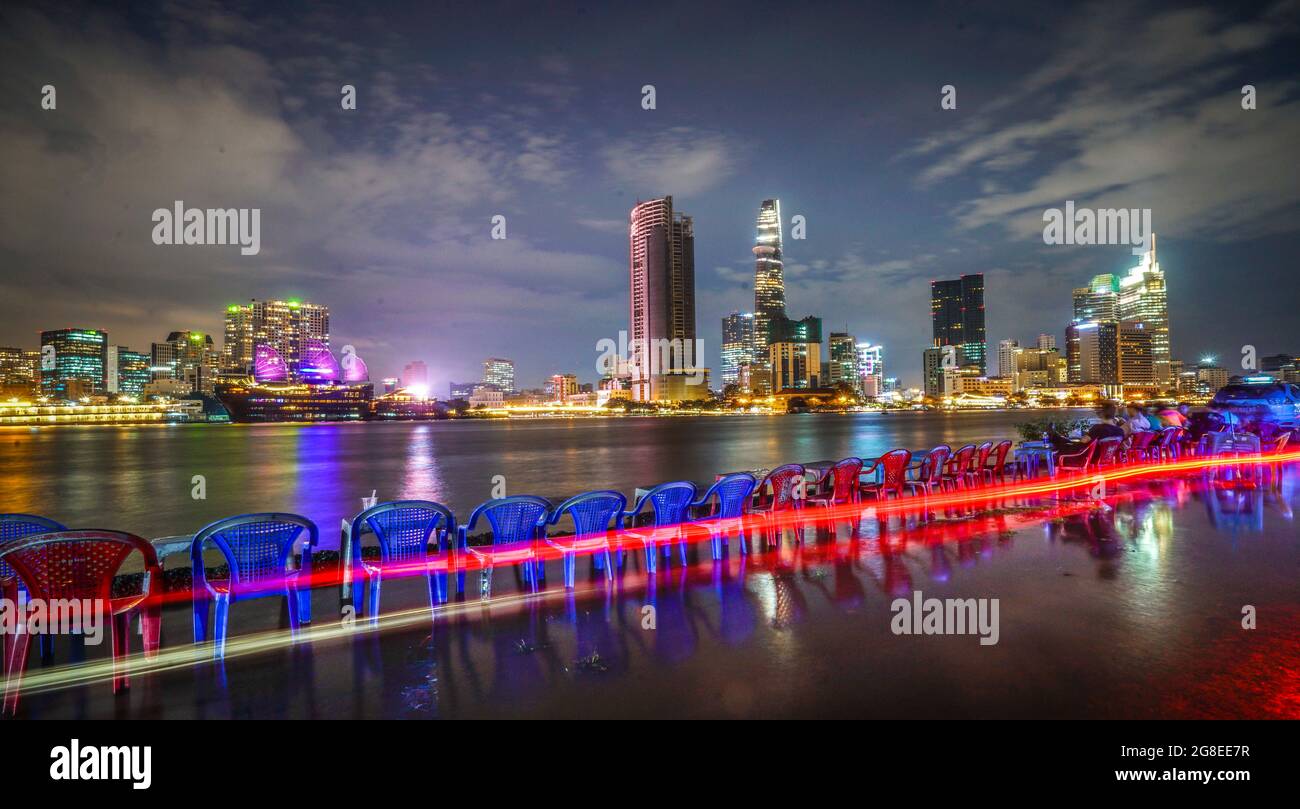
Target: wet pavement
{"x":1131,"y":608}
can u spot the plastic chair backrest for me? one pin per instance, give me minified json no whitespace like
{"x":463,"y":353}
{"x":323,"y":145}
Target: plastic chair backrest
{"x":256,"y":546}
{"x":733,"y":492}
{"x":513,"y":519}
{"x":592,"y":512}
{"x":14,"y":527}
{"x":403,"y":528}
{"x":77,"y":565}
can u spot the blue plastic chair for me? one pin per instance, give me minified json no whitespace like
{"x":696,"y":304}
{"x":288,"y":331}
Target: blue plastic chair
{"x":403,"y":529}
{"x":516,"y":523}
{"x":671,"y":505}
{"x":14,"y":527}
{"x":733,"y":495}
{"x":592,"y":514}
{"x":257,"y":548}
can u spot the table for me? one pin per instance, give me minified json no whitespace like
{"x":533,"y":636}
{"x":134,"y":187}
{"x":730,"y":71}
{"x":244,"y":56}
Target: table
{"x":1032,"y":452}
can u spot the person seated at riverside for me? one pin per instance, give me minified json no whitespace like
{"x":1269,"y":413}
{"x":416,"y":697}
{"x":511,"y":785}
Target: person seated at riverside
{"x":1104,"y":428}
{"x":1174,"y":416}
{"x":1136,"y":420}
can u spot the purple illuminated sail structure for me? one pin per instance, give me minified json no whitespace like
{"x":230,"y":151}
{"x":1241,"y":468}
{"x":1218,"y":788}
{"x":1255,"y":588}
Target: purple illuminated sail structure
{"x":354,"y":368}
{"x":268,"y":365}
{"x":318,"y":365}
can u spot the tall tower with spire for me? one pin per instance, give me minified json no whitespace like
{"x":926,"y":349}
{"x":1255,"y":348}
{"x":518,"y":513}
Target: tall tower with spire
{"x":1142,"y":297}
{"x":769,"y":289}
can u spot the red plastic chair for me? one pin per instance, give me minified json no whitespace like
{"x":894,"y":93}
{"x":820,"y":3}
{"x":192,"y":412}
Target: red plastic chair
{"x":893,"y":468}
{"x":975,"y":472}
{"x":843,"y":478}
{"x":955,"y":474}
{"x":1107,"y":452}
{"x":930,"y":475}
{"x":80,"y":566}
{"x":1078,"y":461}
{"x":780,"y":507}
{"x":1139,"y":446}
{"x":1167,"y":448}
{"x":998,"y":471}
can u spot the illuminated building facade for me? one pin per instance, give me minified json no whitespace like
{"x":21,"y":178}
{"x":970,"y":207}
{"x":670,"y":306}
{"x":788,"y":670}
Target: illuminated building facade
{"x":561,"y":386}
{"x":1098,"y":301}
{"x":79,"y":355}
{"x":737,"y":346}
{"x":957,"y":316}
{"x":417,"y":373}
{"x":769,"y":286}
{"x":1142,"y":296}
{"x":1134,"y":346}
{"x":870,"y":369}
{"x":188,"y":356}
{"x":129,"y":372}
{"x":499,"y":372}
{"x":661,"y":264}
{"x":285,"y":326}
{"x":843,"y":367}
{"x":794,"y":353}
{"x":20,"y":372}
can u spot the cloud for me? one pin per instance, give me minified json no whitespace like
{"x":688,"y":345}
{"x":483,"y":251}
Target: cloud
{"x":384,"y":215}
{"x":680,"y":160}
{"x":1157,"y":124}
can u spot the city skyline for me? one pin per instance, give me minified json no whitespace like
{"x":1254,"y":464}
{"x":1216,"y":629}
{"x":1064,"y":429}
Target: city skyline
{"x":385,"y":214}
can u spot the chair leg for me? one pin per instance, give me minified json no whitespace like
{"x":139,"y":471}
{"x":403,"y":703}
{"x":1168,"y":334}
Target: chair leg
{"x":650,"y":555}
{"x":15,"y":662}
{"x":609,"y":565}
{"x":222,"y":609}
{"x":151,"y":629}
{"x":202,"y":617}
{"x":569,"y":562}
{"x":485,"y":582}
{"x":295,"y":613}
{"x":120,"y":630}
{"x":360,"y":580}
{"x":376,"y":585}
{"x":437,"y":588}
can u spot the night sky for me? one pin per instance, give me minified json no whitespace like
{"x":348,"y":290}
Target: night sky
{"x":469,"y":110}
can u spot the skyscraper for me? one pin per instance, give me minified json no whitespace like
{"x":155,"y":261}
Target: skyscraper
{"x":1098,"y":301}
{"x":187,"y":356}
{"x":1134,"y":344}
{"x":285,"y":326}
{"x":871,"y":369}
{"x":843,"y":368}
{"x":1142,"y":297}
{"x":661,"y":263}
{"x":769,"y":284}
{"x":415,"y":373}
{"x":1007,"y":351}
{"x":957,"y":314}
{"x":74,"y":355}
{"x":19,"y":376}
{"x":794,"y":352}
{"x":499,"y":372}
{"x":737,"y":345}
{"x":130,"y":371}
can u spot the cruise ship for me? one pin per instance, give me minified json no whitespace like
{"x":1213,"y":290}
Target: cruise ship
{"x":323,"y":392}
